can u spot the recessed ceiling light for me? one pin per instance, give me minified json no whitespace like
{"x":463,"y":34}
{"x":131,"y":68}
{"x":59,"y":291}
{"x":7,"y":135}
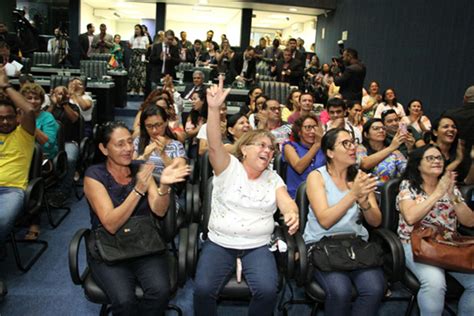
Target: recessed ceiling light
{"x":293,"y":9}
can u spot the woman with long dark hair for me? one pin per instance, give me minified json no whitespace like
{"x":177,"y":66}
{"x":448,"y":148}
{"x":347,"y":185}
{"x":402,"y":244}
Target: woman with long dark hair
{"x":374,"y":156}
{"x":419,"y":123}
{"x":389,"y":103}
{"x":157,"y":144}
{"x":137,"y":72}
{"x":292,"y":104}
{"x":429,"y":196}
{"x":117,"y":191}
{"x":444,"y":134}
{"x":339,"y":196}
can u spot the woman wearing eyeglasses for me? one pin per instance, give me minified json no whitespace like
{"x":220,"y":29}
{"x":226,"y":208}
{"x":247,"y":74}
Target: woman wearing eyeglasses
{"x":303,"y":152}
{"x":384,"y":162}
{"x":428,"y":195}
{"x":245,"y":196}
{"x":157,"y":143}
{"x":339,"y":196}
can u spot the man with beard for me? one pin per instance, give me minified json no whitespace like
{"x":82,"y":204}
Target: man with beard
{"x":102,"y":42}
{"x":17,"y":142}
{"x":351,"y":81}
{"x":210,"y":35}
{"x":391,"y":121}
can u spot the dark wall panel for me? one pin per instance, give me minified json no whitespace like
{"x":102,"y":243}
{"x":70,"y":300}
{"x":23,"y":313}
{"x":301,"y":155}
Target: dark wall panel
{"x":422,"y":48}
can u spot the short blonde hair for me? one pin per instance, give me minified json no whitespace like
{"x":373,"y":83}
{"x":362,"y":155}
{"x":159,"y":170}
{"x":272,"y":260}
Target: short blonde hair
{"x":33,"y":88}
{"x":248,"y":138}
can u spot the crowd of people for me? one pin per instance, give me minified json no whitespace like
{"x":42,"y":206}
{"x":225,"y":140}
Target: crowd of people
{"x":362,"y":138}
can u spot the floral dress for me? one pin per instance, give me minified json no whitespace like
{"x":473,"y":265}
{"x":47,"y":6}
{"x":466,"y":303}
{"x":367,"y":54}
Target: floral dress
{"x":441,"y":214}
{"x":391,"y":167}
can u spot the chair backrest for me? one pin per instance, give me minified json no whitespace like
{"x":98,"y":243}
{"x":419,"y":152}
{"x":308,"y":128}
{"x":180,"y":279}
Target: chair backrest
{"x":60,"y":138}
{"x":206,"y":207}
{"x":45,"y":59}
{"x":205,"y":171}
{"x":275,"y":90}
{"x":94,"y":68}
{"x":388,"y":199}
{"x":302,"y":202}
{"x":280,"y":166}
{"x":36,"y":162}
{"x":467,"y":192}
{"x":102,"y":57}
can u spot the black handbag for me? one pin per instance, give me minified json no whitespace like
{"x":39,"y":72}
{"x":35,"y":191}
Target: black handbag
{"x":138,"y":237}
{"x":345,"y":253}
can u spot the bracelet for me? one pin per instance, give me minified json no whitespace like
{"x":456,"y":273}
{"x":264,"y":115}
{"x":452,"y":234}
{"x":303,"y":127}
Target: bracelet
{"x":138,"y":192}
{"x":164,"y":193}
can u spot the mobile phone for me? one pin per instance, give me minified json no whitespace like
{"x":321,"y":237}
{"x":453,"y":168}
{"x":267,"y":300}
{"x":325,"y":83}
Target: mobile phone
{"x":137,"y":163}
{"x":403,"y":129}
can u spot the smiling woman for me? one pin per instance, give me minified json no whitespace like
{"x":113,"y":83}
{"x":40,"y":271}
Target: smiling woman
{"x":245,"y":194}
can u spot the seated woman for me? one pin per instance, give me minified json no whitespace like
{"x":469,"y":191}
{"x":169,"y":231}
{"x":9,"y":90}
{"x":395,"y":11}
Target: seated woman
{"x":78,"y":97}
{"x":385,"y":162}
{"x":292,"y":105}
{"x":339,"y":196}
{"x":202,"y":134}
{"x":389,"y":103}
{"x":245,"y":196}
{"x":416,"y":121}
{"x":116,"y":191}
{"x":354,"y":115}
{"x":259,"y":107}
{"x":196,"y":118}
{"x":444,"y":134}
{"x":250,"y":103}
{"x":428,"y":195}
{"x":156,"y":143}
{"x":237,"y":126}
{"x":46,"y":135}
{"x":161,"y":98}
{"x":303,"y":153}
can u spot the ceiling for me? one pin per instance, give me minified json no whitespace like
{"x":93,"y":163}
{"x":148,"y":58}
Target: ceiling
{"x":210,"y":11}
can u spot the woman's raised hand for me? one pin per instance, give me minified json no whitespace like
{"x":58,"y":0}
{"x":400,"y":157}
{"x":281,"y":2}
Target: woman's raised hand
{"x":143,"y":177}
{"x":363,"y":184}
{"x":216,"y":94}
{"x":174,"y":173}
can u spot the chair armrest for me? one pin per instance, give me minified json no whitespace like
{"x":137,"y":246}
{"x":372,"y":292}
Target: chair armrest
{"x":188,"y":207}
{"x":73,"y":255}
{"x":394,"y":255}
{"x":192,"y":250}
{"x":301,"y":258}
{"x":182,"y":256}
{"x":169,"y":227}
{"x":197,"y":213}
{"x":466,"y":231}
{"x":60,"y":164}
{"x":34,"y":192}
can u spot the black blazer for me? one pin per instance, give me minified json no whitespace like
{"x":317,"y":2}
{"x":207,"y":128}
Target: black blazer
{"x":156,"y":63}
{"x":191,"y":56}
{"x":236,"y":65}
{"x":296,"y":72}
{"x":83,"y":45}
{"x":351,"y":82}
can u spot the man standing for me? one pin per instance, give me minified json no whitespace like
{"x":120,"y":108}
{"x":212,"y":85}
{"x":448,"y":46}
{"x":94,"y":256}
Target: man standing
{"x":288,"y":69}
{"x":163,"y":58}
{"x":85,"y":41}
{"x":210,"y":35}
{"x":243,"y":66}
{"x":102,"y":42}
{"x":59,"y":45}
{"x":17,"y":142}
{"x":295,"y":53}
{"x":184,"y":43}
{"x":351,"y":81}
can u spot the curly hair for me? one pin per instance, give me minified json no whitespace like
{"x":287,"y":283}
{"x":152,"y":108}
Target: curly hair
{"x":298,"y":125}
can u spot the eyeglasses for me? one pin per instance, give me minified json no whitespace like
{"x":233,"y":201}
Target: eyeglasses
{"x":156,"y":125}
{"x":432,"y":158}
{"x":7,"y":118}
{"x":274,"y":108}
{"x":263,"y":146}
{"x":308,"y":128}
{"x":378,"y":128}
{"x":348,"y":144}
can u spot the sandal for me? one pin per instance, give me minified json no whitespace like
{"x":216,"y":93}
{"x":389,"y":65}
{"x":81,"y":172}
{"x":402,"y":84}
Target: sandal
{"x":32,"y":235}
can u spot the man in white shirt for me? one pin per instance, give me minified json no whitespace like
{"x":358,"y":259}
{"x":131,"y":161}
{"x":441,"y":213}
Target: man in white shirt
{"x":85,"y":41}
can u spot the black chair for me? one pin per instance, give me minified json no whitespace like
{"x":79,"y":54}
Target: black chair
{"x":3,"y":290}
{"x":390,"y":217}
{"x":52,"y":178}
{"x":393,"y":267}
{"x":280,"y":166}
{"x":233,"y":290}
{"x":44,"y":59}
{"x":32,"y":207}
{"x":176,"y":262}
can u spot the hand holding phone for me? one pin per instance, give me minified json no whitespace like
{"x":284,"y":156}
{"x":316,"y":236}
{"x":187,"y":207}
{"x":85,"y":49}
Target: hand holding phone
{"x":403,"y":129}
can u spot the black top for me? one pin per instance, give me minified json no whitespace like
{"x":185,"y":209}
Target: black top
{"x":117,"y":192}
{"x":71,"y":130}
{"x":351,"y":82}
